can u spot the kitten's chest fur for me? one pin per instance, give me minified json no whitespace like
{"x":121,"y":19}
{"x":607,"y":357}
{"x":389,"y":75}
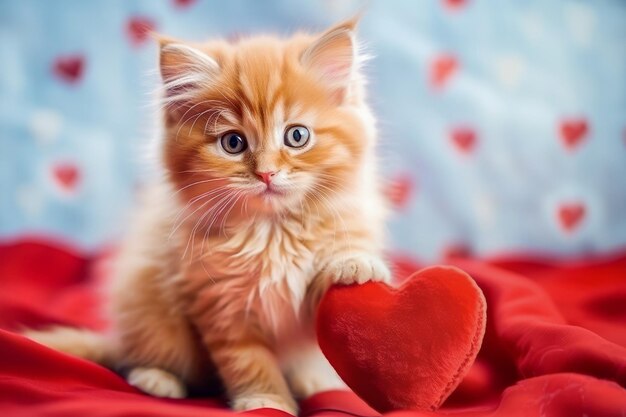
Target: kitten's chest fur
{"x":261,"y":268}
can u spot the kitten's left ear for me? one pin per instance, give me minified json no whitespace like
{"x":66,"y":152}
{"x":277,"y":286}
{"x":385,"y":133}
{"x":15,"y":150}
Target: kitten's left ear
{"x":333,"y":56}
{"x":185,"y":69}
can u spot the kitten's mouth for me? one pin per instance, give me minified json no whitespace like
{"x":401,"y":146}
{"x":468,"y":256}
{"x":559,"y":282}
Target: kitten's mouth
{"x":271,"y":194}
{"x":271,"y":191}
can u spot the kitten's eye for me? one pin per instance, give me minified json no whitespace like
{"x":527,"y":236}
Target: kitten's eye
{"x":297,"y":136}
{"x":234,"y":143}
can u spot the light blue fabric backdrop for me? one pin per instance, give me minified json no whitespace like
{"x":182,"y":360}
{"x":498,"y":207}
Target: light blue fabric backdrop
{"x":503,"y":122}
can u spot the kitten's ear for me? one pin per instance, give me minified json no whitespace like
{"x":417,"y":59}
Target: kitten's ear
{"x":185,"y":69}
{"x":333,"y":56}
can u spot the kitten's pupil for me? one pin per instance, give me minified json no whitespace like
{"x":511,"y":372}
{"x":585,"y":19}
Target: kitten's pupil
{"x":297,"y":135}
{"x":234,"y":141}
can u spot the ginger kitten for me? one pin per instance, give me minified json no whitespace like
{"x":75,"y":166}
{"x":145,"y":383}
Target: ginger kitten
{"x":270,"y":195}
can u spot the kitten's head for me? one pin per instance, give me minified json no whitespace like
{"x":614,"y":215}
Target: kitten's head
{"x":269,"y":124}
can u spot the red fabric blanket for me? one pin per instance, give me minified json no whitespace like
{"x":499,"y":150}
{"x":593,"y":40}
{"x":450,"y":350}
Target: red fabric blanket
{"x":555,"y":343}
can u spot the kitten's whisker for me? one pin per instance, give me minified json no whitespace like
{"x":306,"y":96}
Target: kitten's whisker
{"x":219,"y":212}
{"x":200,"y":115}
{"x":333,"y":180}
{"x":192,"y":235}
{"x":246,"y":199}
{"x":206,"y":237}
{"x":315,"y":200}
{"x":223,"y":203}
{"x":195,"y":171}
{"x":198,"y":183}
{"x":330,"y":204}
{"x":316,"y":206}
{"x":228,"y":99}
{"x":216,"y":117}
{"x":196,"y":210}
{"x":182,"y":120}
{"x":215,"y":122}
{"x":195,"y":199}
{"x":301,"y":214}
{"x":203,"y":195}
{"x":222,"y":226}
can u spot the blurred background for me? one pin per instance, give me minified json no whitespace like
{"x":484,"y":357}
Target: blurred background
{"x":502,"y":123}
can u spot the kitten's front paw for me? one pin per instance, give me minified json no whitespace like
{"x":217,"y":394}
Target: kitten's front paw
{"x":358,"y":269}
{"x":157,"y":382}
{"x":255,"y":401}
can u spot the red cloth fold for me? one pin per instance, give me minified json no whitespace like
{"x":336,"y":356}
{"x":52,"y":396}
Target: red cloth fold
{"x":555,"y":343}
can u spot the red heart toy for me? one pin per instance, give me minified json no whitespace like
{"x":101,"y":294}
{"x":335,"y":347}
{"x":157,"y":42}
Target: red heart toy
{"x":404,"y":348}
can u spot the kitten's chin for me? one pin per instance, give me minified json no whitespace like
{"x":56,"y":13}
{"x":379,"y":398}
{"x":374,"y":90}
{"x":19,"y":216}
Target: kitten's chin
{"x":265,"y":205}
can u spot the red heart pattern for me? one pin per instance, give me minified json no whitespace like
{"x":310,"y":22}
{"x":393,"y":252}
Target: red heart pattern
{"x":454,"y":4}
{"x":571,"y":215}
{"x":464,"y":138}
{"x":138,"y":29}
{"x":442,"y":68}
{"x":66,"y":175}
{"x":183,"y":3}
{"x":69,"y":68}
{"x":573,"y":132}
{"x":399,"y":191}
{"x":387,"y":344}
{"x":457,"y":250}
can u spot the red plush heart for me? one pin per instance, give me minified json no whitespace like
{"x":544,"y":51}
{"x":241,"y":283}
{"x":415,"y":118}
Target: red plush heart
{"x":405,"y":348}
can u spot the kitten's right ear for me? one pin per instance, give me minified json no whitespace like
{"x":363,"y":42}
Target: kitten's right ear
{"x":185,"y":70}
{"x":333,"y":57}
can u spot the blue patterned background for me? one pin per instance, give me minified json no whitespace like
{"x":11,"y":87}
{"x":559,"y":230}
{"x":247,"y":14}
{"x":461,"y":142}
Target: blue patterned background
{"x":503,"y":123}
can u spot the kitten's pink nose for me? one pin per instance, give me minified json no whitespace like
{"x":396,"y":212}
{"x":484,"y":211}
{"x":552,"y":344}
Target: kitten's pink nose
{"x":266,"y":177}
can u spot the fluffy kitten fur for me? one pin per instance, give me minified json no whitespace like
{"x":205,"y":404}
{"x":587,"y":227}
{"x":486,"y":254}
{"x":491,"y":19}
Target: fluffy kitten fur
{"x":223,"y":271}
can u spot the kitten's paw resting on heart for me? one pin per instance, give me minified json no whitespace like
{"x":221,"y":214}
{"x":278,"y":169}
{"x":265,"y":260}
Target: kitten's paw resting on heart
{"x":254,"y":401}
{"x":358,"y":268}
